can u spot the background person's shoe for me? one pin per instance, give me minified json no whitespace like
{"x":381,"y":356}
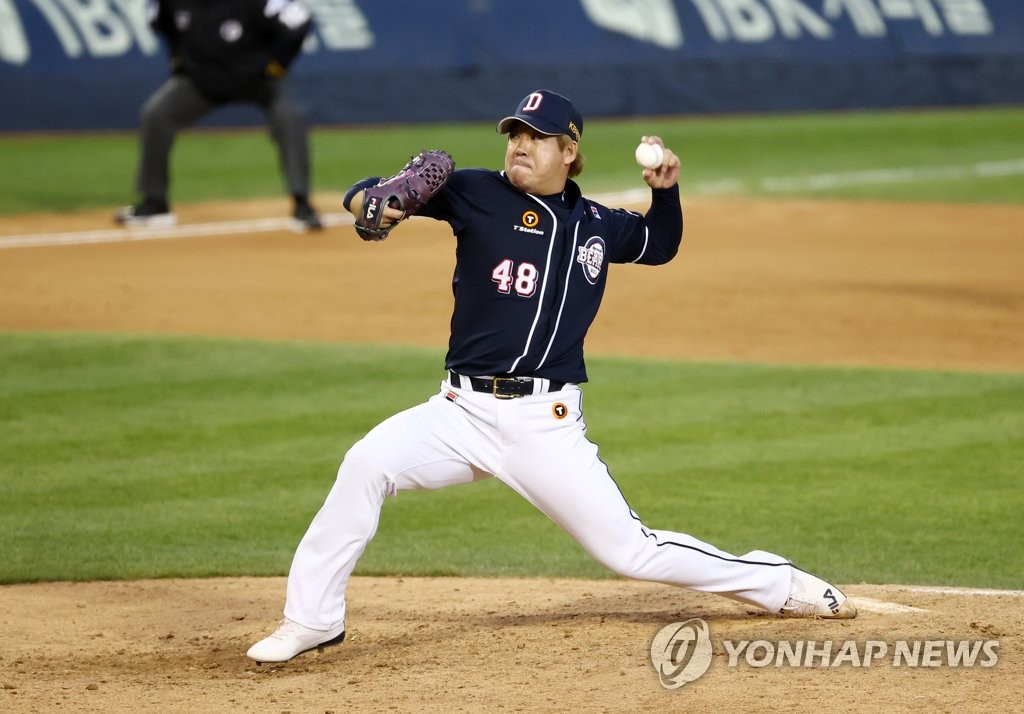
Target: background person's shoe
{"x":291,"y":639}
{"x":306,"y":217}
{"x":810,"y":596}
{"x":149,"y":213}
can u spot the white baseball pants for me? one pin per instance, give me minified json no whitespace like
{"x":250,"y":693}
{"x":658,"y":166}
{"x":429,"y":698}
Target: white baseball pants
{"x":539,"y":449}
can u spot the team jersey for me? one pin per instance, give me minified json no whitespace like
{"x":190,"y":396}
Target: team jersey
{"x":531,"y":271}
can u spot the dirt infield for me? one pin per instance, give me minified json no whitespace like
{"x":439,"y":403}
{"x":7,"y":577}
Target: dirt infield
{"x":827,"y":282}
{"x":472,"y":645}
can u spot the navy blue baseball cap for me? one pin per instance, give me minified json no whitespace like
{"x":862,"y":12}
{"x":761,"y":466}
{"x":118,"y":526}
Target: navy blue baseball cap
{"x":547,"y":112}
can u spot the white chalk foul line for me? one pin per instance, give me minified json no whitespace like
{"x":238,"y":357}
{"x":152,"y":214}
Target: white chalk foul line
{"x":967,"y":592}
{"x":824,"y":182}
{"x":195,"y":230}
{"x":771,"y":184}
{"x":867,"y":177}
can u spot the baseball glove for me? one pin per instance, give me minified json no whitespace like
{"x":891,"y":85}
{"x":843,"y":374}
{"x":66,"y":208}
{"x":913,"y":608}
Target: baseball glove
{"x":408,"y":191}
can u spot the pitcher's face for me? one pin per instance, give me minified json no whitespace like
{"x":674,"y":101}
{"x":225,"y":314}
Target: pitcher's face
{"x":537,"y":163}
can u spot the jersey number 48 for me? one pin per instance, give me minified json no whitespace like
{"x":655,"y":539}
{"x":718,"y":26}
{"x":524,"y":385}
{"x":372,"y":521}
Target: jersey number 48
{"x":524,"y":282}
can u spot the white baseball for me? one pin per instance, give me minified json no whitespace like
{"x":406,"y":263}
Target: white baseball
{"x":649,"y":156}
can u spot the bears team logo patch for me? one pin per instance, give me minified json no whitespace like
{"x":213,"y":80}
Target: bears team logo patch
{"x":591,"y":256}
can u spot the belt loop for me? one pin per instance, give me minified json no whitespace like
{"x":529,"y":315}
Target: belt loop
{"x":455,"y":379}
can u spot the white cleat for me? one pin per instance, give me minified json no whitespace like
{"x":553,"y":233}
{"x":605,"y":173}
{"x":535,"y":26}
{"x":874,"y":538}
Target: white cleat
{"x":147,"y":214}
{"x":291,"y":639}
{"x":810,"y":596}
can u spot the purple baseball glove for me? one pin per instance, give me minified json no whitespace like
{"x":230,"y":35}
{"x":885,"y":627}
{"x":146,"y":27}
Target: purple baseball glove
{"x":408,"y":191}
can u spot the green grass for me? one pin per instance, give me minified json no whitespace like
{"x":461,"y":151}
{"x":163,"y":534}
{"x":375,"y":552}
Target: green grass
{"x":127,"y":457}
{"x":75,"y":172}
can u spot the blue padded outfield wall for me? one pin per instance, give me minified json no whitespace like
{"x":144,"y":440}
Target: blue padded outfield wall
{"x":89,"y":64}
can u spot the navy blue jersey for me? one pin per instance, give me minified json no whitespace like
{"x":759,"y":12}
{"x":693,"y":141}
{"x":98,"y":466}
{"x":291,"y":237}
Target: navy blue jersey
{"x":530,"y":271}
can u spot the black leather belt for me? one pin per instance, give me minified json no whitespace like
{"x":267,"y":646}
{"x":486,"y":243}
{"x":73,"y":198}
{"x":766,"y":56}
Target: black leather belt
{"x":505,"y":387}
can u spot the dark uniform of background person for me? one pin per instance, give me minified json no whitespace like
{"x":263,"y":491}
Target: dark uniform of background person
{"x":222,"y":52}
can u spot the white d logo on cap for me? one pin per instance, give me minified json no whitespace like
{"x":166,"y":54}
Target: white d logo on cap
{"x":533,"y":102}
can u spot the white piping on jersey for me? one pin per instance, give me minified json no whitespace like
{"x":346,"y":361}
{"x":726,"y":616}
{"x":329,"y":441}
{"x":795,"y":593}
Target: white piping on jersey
{"x":565,"y":293}
{"x":543,"y":286}
{"x":646,"y":236}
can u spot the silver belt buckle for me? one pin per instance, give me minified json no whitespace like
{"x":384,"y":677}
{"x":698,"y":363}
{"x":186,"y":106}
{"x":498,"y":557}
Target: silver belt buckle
{"x":494,"y":387}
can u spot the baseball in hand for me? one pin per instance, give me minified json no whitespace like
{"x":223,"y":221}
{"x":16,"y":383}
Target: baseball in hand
{"x":649,"y":156}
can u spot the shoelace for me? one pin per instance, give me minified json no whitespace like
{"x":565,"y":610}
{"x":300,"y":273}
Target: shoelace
{"x":799,"y":607}
{"x":287,"y":629}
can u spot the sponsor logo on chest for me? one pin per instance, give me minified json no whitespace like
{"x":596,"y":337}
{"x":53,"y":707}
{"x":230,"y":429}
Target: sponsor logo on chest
{"x":528,"y":223}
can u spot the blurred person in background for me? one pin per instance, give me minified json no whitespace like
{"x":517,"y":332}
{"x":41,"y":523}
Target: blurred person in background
{"x":223,"y":52}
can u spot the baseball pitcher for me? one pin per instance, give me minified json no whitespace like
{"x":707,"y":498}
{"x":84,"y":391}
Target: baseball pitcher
{"x":532,"y":257}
